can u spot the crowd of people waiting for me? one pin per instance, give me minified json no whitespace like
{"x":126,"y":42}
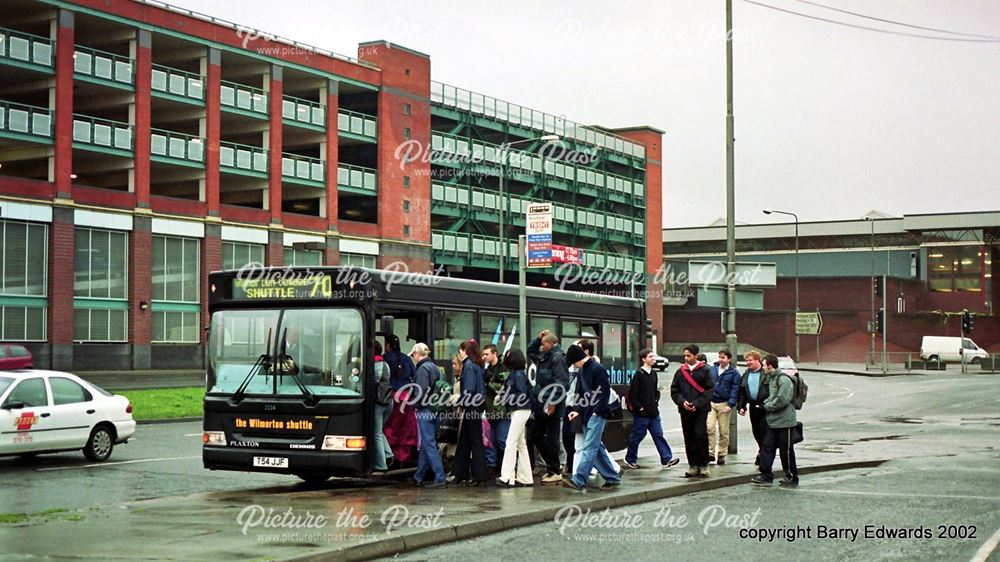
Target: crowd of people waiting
{"x":511,"y":418}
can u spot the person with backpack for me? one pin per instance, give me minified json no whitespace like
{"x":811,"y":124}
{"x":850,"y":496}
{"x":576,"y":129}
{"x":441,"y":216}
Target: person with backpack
{"x":515,"y":467}
{"x":691,"y":390}
{"x":382,"y":452}
{"x":497,"y":416}
{"x":426,"y":375}
{"x":753,"y":393}
{"x":469,"y":465}
{"x":401,"y":368}
{"x":724,"y":398}
{"x":643,"y":400}
{"x":781,"y":424}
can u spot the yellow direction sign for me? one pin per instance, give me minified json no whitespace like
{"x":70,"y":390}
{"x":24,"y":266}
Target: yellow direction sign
{"x":808,"y":323}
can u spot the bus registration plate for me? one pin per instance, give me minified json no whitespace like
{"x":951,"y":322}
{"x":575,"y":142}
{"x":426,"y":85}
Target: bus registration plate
{"x":271,"y":462}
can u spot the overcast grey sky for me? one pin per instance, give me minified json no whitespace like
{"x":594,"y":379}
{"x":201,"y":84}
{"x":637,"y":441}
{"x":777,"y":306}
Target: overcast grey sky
{"x":830,"y":121}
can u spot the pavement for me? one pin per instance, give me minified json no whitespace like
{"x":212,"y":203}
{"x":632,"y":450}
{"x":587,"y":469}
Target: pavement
{"x":144,"y":379}
{"x":894,"y":370}
{"x":347,"y":519}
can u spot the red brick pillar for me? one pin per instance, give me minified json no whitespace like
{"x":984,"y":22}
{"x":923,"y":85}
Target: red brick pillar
{"x":275,"y":249}
{"x":213,"y":120}
{"x":60,"y":313}
{"x":211,"y":260}
{"x":332,"y":154}
{"x":141,"y":109}
{"x":405,"y":81}
{"x":63,"y":153}
{"x":274,"y":146}
{"x":140,"y":286}
{"x":652,"y":139}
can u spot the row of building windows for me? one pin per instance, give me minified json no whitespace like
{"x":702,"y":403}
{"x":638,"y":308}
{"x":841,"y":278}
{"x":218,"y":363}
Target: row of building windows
{"x":100,"y":282}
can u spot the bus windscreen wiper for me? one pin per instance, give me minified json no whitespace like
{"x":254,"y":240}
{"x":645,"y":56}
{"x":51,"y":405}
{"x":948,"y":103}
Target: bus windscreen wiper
{"x":282,"y":359}
{"x":263,"y":363}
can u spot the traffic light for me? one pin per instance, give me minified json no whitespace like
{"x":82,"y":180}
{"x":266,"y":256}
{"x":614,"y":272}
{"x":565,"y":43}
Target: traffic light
{"x":966,"y":321}
{"x":649,"y":326}
{"x":880,"y":321}
{"x":877,"y":286}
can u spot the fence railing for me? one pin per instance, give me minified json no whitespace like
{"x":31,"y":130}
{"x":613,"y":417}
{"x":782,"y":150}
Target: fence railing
{"x":100,"y":64}
{"x":357,"y":123}
{"x":178,"y":82}
{"x":303,"y":111}
{"x":303,"y":168}
{"x":243,"y":157}
{"x":357,"y":177}
{"x":25,"y":119}
{"x":241,"y":96}
{"x":102,"y":132}
{"x":24,"y":47}
{"x":171,"y":144}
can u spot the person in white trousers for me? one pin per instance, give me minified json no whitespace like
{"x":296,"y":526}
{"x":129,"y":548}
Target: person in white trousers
{"x":515,"y":470}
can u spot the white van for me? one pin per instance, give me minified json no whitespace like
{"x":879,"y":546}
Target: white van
{"x":950,"y":349}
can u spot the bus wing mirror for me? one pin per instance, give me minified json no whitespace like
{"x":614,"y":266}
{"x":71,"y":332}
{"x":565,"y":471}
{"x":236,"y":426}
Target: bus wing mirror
{"x":386,"y":326}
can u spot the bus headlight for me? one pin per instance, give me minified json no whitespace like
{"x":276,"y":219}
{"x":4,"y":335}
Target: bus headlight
{"x":343,"y":443}
{"x":215,"y":438}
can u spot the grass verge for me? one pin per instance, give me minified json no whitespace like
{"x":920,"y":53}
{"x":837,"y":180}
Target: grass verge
{"x":166,"y":403}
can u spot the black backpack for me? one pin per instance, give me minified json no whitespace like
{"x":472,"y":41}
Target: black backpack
{"x":800,"y":390}
{"x":383,"y":392}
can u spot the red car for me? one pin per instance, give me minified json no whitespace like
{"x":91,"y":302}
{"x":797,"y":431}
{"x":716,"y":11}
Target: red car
{"x":13,"y":356}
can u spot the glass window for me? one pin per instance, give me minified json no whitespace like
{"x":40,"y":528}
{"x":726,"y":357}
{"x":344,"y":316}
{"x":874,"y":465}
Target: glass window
{"x":24,"y":258}
{"x":451,"y":327}
{"x":65,"y":391}
{"x":238,"y":254}
{"x":23,"y":323}
{"x":175,"y":269}
{"x":497,"y":330}
{"x":303,"y":257}
{"x":100,"y":325}
{"x":406,"y":109}
{"x":611,"y":337}
{"x":101,"y":264}
{"x":31,"y":392}
{"x":324,"y":347}
{"x":18,"y":351}
{"x":357,"y":260}
{"x":632,"y":345}
{"x":4,"y":381}
{"x":955,"y":268}
{"x":539,"y":323}
{"x":175,"y":326}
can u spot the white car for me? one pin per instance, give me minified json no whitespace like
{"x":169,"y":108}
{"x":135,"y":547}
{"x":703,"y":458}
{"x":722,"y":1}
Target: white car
{"x":787,"y":365}
{"x":50,"y":411}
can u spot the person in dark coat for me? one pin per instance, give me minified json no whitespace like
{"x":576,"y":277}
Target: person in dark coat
{"x":753,"y":393}
{"x":552,"y":382}
{"x":592,"y":405}
{"x":645,"y":398}
{"x":691,"y":390}
{"x":472,"y":404}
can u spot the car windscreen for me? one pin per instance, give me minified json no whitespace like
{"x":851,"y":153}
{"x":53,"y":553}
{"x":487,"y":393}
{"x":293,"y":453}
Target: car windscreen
{"x":5,"y":383}
{"x":322,"y":347}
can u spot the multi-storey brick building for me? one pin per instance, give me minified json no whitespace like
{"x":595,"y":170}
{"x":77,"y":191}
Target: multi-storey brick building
{"x":142,"y":146}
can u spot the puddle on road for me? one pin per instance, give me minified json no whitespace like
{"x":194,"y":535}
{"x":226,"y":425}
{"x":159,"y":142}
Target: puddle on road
{"x":884,"y":438}
{"x":900,"y":419}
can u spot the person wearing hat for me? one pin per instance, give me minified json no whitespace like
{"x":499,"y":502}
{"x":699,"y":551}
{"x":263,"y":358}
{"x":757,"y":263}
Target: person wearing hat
{"x":593,"y":393}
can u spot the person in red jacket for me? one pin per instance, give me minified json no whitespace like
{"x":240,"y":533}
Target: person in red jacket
{"x":691,"y":390}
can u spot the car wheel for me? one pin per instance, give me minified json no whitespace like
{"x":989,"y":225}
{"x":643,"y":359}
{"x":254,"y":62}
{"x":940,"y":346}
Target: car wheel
{"x":100,"y":444}
{"x":314,"y":479}
{"x":976,"y":360}
{"x":933,"y":359}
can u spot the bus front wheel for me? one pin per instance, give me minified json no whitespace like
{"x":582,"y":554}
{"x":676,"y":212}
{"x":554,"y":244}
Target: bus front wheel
{"x":313,"y":478}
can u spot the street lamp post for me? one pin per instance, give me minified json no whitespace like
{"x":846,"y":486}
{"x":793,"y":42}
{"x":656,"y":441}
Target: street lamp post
{"x":796,"y":217}
{"x":872,"y":289}
{"x":504,"y":148}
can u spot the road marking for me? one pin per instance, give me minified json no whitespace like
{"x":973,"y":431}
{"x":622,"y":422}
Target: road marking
{"x":193,"y":434}
{"x":850,"y":395}
{"x":988,"y":547}
{"x":890,"y":494}
{"x":117,"y":463}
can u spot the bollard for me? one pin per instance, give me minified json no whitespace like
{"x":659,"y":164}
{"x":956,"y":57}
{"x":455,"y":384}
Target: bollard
{"x":733,"y":436}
